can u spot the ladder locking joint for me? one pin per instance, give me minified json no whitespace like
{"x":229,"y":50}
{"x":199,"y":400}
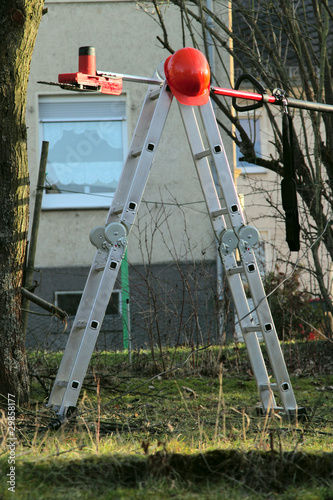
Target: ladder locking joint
{"x":229,"y":242}
{"x":248,"y":236}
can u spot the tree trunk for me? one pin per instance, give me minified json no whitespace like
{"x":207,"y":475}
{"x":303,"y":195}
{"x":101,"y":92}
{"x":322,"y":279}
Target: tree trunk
{"x":19,"y":25}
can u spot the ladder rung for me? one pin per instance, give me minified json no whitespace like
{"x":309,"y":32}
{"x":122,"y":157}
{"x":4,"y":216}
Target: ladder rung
{"x":99,"y":267}
{"x":136,"y":153}
{"x":236,"y":270}
{"x":217,"y":213}
{"x":202,"y":154}
{"x":249,"y":329}
{"x":81,"y":324}
{"x":62,"y":383}
{"x":266,"y":387}
{"x":155,"y":94}
{"x":117,"y":211}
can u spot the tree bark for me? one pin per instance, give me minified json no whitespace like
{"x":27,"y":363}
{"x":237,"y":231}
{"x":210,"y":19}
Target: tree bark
{"x":19,"y":21}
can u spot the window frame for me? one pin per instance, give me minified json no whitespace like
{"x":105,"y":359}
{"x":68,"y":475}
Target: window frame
{"x":68,"y":201}
{"x":115,"y":292}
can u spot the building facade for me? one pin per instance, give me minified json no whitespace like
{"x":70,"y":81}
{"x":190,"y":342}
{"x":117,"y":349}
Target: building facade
{"x":173,"y":270}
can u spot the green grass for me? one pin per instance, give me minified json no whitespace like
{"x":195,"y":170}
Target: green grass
{"x":192,"y":433}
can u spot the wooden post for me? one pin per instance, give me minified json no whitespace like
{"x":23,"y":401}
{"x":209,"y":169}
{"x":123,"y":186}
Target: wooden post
{"x":34,"y":232}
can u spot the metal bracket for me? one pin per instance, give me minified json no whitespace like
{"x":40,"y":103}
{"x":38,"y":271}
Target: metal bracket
{"x":281,"y":97}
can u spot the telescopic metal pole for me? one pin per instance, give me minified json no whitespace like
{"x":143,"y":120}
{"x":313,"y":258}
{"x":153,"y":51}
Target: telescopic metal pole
{"x":272,"y":99}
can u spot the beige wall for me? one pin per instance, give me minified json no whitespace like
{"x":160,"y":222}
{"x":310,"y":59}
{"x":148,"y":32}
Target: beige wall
{"x":125,"y":40}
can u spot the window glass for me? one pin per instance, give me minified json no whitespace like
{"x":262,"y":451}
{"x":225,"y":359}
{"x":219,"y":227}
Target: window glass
{"x":87,"y":140}
{"x":69,"y":301}
{"x":251,"y":125}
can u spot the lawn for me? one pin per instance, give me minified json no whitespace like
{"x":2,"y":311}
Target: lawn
{"x":181,"y":426}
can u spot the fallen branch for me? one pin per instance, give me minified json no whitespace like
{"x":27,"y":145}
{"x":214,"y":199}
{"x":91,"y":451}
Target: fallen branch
{"x":51,"y":308}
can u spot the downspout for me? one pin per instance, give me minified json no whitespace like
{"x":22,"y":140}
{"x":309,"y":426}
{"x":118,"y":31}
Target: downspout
{"x":125,"y":302}
{"x":219,"y":267}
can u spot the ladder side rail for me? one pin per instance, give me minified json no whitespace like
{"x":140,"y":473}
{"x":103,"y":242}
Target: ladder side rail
{"x":92,"y":329}
{"x":224,"y":173}
{"x":133,"y":155}
{"x":99,"y":262}
{"x":70,"y":393}
{"x":234,"y":279}
{"x":203,"y":170}
{"x":250,"y":266}
{"x":149,"y":149}
{"x":77,"y":331}
{"x":268,"y":330}
{"x":246,"y":323}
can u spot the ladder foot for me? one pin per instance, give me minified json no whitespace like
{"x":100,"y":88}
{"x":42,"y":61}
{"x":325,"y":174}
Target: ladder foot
{"x":295,"y":415}
{"x":298,"y":415}
{"x":56,"y":423}
{"x":70,"y":414}
{"x":261,"y":412}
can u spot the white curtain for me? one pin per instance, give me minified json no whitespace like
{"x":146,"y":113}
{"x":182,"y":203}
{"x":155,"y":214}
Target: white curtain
{"x":72,"y":162}
{"x":84,"y":174}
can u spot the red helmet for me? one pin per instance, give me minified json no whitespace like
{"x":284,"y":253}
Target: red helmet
{"x":188,"y":76}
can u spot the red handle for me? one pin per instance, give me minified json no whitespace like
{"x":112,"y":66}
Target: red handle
{"x":87,"y":61}
{"x":242,"y":94}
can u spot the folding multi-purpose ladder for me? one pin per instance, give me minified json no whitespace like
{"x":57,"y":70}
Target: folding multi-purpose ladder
{"x":235,"y":241}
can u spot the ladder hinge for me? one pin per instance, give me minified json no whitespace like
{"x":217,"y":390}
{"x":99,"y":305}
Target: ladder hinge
{"x":202,"y":154}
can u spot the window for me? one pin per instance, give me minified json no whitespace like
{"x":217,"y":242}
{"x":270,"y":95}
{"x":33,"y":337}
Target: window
{"x":252,"y":126}
{"x":69,"y":302}
{"x":87,"y":145}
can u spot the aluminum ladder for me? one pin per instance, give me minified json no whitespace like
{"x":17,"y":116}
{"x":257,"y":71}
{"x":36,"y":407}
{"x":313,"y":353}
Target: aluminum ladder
{"x":235,"y":241}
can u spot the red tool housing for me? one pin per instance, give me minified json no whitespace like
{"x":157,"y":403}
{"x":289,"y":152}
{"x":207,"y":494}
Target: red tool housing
{"x":87,"y":78}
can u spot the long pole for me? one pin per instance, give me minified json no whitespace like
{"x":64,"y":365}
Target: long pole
{"x":272,"y":99}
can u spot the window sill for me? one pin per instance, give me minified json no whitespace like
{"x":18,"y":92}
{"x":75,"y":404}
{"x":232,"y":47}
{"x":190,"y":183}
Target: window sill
{"x":252,"y":170}
{"x":77,"y":201}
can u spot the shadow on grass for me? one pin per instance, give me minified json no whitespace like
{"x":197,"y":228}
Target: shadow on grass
{"x":260,"y":471}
